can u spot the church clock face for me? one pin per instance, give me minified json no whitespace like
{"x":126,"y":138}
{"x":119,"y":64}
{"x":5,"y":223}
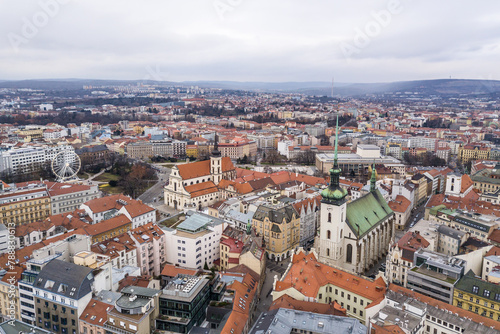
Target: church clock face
{"x":329,"y":208}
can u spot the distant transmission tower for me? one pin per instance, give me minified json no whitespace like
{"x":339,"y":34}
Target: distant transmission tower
{"x":332,"y":86}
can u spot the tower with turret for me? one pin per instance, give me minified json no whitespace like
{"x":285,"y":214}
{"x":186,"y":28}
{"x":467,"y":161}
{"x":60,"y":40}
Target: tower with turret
{"x":333,"y":214}
{"x":216,"y":162}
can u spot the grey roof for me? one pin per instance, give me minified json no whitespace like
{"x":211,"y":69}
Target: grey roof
{"x":143,"y":297}
{"x":65,"y":279}
{"x":451,"y":232}
{"x":469,"y":280}
{"x":282,"y":321}
{"x":140,"y":291}
{"x":276,"y":215}
{"x":196,"y":222}
{"x":240,"y":216}
{"x":108,"y":297}
{"x":16,"y":327}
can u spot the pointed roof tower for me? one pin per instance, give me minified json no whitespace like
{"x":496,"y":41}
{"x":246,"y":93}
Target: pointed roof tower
{"x":334,"y":194}
{"x":216,"y":153}
{"x":373,"y":180}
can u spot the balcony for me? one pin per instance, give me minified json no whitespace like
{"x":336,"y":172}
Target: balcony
{"x":178,"y":320}
{"x":114,"y":329}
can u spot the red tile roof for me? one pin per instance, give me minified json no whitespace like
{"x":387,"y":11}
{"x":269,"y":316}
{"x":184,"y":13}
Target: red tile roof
{"x":400,"y":204}
{"x":202,"y":168}
{"x":172,"y":271}
{"x":200,"y":189}
{"x":288,"y":302}
{"x":307,"y":275}
{"x":96,"y":312}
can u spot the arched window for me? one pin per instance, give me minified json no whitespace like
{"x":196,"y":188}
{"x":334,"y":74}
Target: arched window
{"x":341,"y":233}
{"x":329,"y":217}
{"x":328,"y":234}
{"x":348,"y":256}
{"x":328,"y":252}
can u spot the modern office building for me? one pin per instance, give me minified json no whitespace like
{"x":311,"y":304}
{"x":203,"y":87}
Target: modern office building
{"x":435,"y":274}
{"x":183,"y":303}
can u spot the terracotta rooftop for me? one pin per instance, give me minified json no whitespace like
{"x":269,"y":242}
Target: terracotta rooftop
{"x":96,"y":312}
{"x":307,"y":275}
{"x":288,"y":302}
{"x":202,"y":168}
{"x":399,"y":204}
{"x":172,"y":271}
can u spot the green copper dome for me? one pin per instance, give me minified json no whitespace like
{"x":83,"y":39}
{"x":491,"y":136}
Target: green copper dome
{"x":334,"y":193}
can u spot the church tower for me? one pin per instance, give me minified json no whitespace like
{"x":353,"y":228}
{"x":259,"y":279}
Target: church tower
{"x":216,"y":162}
{"x":333,"y":215}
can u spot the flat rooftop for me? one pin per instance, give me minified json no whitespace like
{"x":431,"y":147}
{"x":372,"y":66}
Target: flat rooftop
{"x":283,"y":321}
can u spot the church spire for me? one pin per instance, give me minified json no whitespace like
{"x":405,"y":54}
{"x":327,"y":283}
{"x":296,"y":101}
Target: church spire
{"x":335,"y":158}
{"x":216,"y":152}
{"x":373,"y":179}
{"x":334,"y":193}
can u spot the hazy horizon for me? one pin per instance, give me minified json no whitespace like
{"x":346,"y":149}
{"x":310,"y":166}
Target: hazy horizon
{"x":250,"y":41}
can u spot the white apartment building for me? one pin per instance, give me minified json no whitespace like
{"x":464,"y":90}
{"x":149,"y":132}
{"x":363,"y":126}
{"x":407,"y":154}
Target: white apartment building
{"x":4,"y":234}
{"x":67,"y":197}
{"x":24,"y":159}
{"x":195,"y":241}
{"x":139,"y":213}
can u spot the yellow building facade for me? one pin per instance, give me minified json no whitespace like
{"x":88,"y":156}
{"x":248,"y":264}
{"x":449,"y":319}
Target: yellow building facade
{"x":280,"y":227}
{"x":24,"y":206}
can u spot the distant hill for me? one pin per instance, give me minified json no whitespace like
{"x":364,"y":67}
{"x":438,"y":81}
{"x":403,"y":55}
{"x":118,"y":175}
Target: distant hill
{"x":423,"y":87}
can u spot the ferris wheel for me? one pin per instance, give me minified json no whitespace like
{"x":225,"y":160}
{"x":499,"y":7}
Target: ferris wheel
{"x":66,"y":165}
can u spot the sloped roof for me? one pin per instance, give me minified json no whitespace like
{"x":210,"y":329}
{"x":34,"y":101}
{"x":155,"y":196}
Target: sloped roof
{"x":202,"y":168}
{"x":275,"y":215}
{"x":288,"y":302}
{"x":96,"y":312}
{"x":366,"y":212}
{"x":307,"y":276}
{"x":200,"y":189}
{"x":66,"y":279}
{"x":466,"y":183}
{"x":400,"y":204}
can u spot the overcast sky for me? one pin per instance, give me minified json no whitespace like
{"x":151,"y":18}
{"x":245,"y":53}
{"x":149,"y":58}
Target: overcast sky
{"x":250,"y":40}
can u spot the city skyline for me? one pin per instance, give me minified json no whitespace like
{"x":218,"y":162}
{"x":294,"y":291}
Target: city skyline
{"x":250,"y":41}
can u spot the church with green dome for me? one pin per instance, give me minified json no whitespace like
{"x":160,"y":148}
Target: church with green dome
{"x":353,"y":235}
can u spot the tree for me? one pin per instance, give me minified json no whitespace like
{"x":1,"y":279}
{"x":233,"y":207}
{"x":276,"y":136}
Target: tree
{"x":306,"y":158}
{"x":273,"y":157}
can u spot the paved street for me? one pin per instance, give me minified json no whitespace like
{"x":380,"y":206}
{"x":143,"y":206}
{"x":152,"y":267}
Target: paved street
{"x":155,"y":193}
{"x":273,"y":269}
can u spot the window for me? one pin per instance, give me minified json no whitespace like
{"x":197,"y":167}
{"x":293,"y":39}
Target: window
{"x":320,"y":296}
{"x":328,"y":234}
{"x":486,"y":293}
{"x":329,"y":217}
{"x":475,"y":289}
{"x":348,"y":256}
{"x":342,"y":294}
